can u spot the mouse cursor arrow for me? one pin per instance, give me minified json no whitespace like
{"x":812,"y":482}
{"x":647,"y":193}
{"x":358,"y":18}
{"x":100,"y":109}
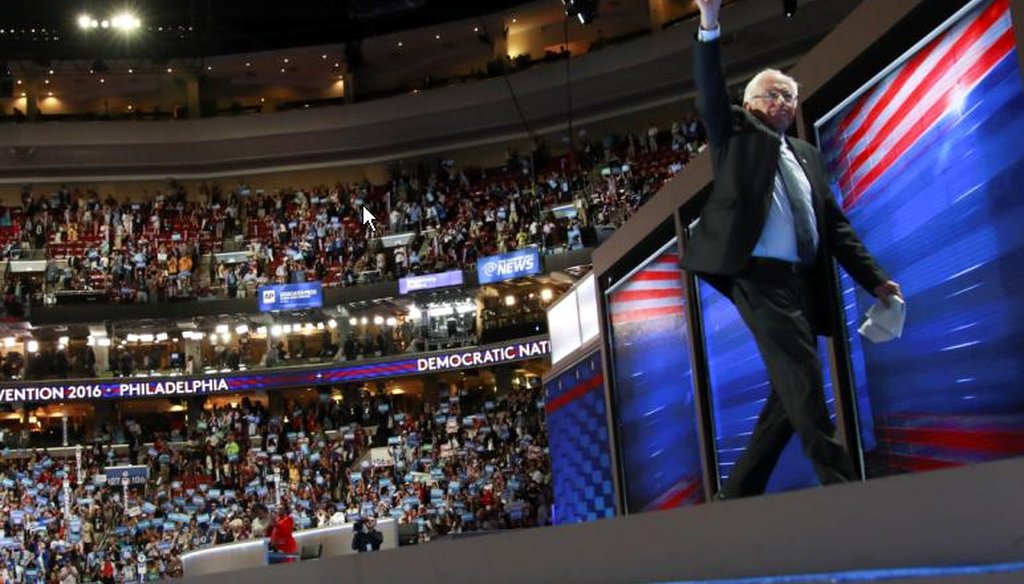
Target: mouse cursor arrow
{"x":368,"y":219}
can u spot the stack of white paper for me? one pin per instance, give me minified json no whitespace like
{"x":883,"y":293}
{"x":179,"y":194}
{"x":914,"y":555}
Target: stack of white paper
{"x":884,"y":323}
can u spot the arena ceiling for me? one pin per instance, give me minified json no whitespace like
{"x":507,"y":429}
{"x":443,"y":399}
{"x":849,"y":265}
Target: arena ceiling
{"x":189,"y":28}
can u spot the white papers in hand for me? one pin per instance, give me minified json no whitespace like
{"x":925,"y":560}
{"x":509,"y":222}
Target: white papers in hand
{"x":884,"y":323}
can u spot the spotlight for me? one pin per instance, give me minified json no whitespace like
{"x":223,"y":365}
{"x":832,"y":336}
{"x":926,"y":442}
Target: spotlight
{"x":510,"y":300}
{"x":546,"y":295}
{"x":84,"y":22}
{"x":32,"y":346}
{"x":125,"y":21}
{"x":789,"y":7}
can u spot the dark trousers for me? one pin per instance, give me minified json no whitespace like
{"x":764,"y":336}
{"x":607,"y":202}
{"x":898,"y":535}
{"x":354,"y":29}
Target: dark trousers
{"x":773,"y":303}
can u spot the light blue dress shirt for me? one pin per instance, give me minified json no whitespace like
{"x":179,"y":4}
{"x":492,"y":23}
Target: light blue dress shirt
{"x":778,"y":236}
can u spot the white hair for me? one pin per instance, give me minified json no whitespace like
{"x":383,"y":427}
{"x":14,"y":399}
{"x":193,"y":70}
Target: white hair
{"x":754,"y":85}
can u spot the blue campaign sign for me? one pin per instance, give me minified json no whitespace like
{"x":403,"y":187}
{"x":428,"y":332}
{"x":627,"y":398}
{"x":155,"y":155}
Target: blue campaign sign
{"x":290,"y":296}
{"x":514,"y":264}
{"x":135,"y":475}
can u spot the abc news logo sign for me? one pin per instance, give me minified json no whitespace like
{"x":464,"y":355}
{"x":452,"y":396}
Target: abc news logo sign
{"x":507,"y":266}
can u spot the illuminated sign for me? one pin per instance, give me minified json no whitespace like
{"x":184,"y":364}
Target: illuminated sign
{"x":151,"y":388}
{"x":481,"y":357}
{"x":515,"y":264}
{"x":290,"y":296}
{"x":277,"y":378}
{"x":429,"y":281}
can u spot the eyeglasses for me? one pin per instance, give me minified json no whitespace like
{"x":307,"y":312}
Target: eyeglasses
{"x":775,"y":94}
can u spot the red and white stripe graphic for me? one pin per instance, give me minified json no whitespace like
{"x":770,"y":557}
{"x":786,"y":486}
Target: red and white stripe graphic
{"x":888,"y":120}
{"x":654,"y":292}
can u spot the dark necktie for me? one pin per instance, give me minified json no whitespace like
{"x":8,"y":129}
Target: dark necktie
{"x":803,"y":214}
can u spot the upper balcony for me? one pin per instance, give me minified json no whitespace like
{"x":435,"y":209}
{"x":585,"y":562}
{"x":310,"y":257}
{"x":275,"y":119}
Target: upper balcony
{"x":647,"y":72}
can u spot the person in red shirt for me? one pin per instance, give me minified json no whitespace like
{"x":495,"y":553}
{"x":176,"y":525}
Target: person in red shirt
{"x":487,"y":497}
{"x":107,"y":572}
{"x":281,"y":539}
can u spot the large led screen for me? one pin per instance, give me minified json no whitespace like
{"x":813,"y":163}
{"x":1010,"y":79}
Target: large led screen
{"x":577,"y":423}
{"x":928,"y":163}
{"x":739,"y":388}
{"x":653,"y":390}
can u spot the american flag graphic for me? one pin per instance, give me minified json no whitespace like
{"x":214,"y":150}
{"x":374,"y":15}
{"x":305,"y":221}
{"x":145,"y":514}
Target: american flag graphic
{"x":653,"y":388}
{"x":929,"y":160}
{"x":884,"y":123}
{"x":654,"y":292}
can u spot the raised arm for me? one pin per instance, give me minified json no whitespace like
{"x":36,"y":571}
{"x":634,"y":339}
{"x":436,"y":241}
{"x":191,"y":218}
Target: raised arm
{"x":712,"y":94}
{"x":709,"y":10}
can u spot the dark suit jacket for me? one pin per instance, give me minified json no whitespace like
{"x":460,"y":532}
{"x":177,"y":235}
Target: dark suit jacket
{"x":746,"y":157}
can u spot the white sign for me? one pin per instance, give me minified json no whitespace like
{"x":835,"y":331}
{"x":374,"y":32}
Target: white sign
{"x":381,"y":456}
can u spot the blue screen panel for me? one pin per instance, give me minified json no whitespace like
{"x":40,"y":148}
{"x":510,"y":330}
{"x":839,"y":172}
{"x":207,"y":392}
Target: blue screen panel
{"x":928,"y":162}
{"x":739,"y":389}
{"x":275,"y":297}
{"x":653,"y":390}
{"x":577,"y":423}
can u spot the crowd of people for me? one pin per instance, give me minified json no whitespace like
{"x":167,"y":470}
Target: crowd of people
{"x":246,"y":473}
{"x":152,"y":249}
{"x":463,"y":464}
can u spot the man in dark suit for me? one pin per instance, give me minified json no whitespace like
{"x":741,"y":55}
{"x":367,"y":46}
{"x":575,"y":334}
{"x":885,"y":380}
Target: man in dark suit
{"x":765,"y":234}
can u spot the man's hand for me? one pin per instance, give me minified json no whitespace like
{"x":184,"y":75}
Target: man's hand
{"x":709,"y":10}
{"x":886,"y":291}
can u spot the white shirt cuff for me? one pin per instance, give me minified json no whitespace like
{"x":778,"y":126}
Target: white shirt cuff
{"x":705,"y":36}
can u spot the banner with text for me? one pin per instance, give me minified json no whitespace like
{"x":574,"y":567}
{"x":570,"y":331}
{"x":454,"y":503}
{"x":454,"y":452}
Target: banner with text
{"x":274,"y":379}
{"x":429,"y":281}
{"x":290,"y":296}
{"x":133,"y":474}
{"x":514,"y":264}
